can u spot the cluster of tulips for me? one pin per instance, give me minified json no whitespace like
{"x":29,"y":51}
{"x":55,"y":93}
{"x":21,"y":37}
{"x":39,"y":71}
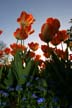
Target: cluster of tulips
{"x":27,"y":66}
{"x":50,"y":34}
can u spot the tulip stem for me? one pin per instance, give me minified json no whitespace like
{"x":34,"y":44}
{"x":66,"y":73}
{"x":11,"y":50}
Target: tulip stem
{"x":62,"y":46}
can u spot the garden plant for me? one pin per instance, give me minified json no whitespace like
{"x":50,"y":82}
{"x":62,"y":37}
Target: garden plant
{"x":32,"y":80}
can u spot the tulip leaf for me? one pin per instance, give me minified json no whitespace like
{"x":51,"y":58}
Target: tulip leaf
{"x":25,"y":73}
{"x":1,"y":72}
{"x":20,"y":72}
{"x":9,"y":80}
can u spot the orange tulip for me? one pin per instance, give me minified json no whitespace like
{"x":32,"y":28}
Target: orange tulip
{"x":54,"y":22}
{"x":20,"y":34}
{"x":33,"y":46}
{"x":48,"y":29}
{"x":22,"y":47}
{"x":30,"y":54}
{"x":70,"y":56}
{"x":1,"y":53}
{"x":63,"y":36}
{"x":46,"y":49}
{"x":55,"y":41}
{"x":62,"y":54}
{"x":1,"y":32}
{"x":49,"y":20}
{"x":59,"y":37}
{"x":25,"y":19}
{"x":7,"y":50}
{"x":37,"y":57}
{"x":15,"y":47}
{"x":46,"y":34}
{"x":47,"y":55}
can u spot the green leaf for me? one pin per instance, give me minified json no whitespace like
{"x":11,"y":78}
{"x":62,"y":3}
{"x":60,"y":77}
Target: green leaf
{"x":9,"y":80}
{"x":1,"y":69}
{"x":19,"y":70}
{"x":18,"y":62}
{"x":25,"y":72}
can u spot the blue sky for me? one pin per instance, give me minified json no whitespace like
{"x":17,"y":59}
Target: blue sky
{"x":41,"y":9}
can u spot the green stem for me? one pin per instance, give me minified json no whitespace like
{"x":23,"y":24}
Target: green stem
{"x":17,"y":41}
{"x":22,"y":42}
{"x":62,"y":46}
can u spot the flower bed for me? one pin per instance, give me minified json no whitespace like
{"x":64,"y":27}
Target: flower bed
{"x":27,"y":80}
